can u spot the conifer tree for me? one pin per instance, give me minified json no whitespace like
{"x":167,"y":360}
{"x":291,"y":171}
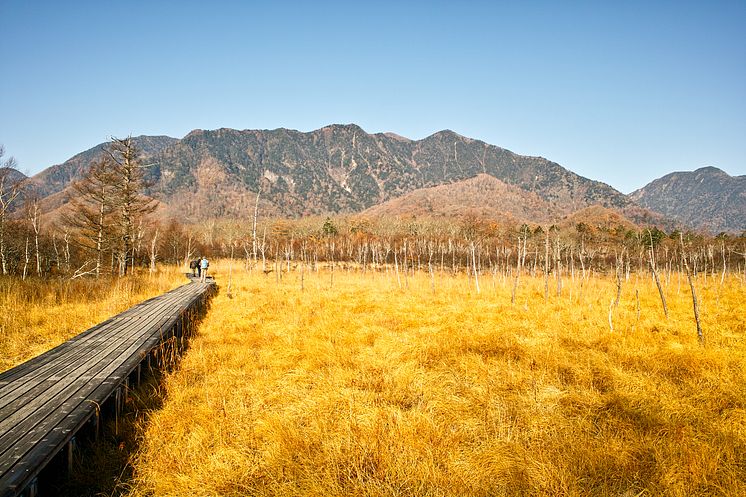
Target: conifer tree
{"x":109,"y":204}
{"x":91,"y":207}
{"x":128,"y":202}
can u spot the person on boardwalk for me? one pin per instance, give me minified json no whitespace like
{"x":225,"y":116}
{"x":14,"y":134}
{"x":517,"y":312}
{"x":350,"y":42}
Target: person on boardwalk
{"x":194,"y":266}
{"x":203,"y":264}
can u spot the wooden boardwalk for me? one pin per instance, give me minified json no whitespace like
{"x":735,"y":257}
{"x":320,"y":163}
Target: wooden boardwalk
{"x":47,"y":400}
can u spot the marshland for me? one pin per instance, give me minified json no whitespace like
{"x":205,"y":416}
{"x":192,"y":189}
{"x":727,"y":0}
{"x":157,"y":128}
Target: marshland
{"x":341,"y":362}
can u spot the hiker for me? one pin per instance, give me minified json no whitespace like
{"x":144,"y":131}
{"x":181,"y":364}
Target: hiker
{"x":194,"y":266}
{"x":203,"y":265}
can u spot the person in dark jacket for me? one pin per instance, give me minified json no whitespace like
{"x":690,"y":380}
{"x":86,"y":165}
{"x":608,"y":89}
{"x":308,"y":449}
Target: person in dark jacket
{"x":194,"y":266}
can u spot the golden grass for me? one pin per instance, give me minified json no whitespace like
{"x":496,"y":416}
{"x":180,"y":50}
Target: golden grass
{"x":368,"y":389}
{"x":38,"y":314}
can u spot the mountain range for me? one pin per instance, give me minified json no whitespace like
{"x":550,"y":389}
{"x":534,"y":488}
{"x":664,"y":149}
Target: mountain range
{"x":343,"y":169}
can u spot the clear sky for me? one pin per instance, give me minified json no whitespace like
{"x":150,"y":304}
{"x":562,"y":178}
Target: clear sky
{"x":621,"y":92}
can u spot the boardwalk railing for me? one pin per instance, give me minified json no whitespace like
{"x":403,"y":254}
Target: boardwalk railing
{"x":47,"y":400}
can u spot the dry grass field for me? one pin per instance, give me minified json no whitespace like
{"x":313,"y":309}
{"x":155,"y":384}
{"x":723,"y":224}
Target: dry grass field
{"x":365,"y":388}
{"x":40,"y":314}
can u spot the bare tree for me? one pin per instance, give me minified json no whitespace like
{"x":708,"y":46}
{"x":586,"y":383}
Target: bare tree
{"x":11,"y":184}
{"x":34,"y":217}
{"x":129,"y":203}
{"x":522,"y":242}
{"x":153,"y":250}
{"x":546,"y":265}
{"x":651,"y":259}
{"x":474,"y":266}
{"x":232,"y":234}
{"x":91,"y":209}
{"x":253,"y":224}
{"x":557,"y":261}
{"x":619,"y":268}
{"x":27,"y":258}
{"x":695,"y":302}
{"x":108,"y":207}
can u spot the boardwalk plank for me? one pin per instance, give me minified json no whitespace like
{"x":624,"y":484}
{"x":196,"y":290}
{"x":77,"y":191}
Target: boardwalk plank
{"x":87,"y":358}
{"x":75,"y":342}
{"x":62,"y":365}
{"x":54,"y":389}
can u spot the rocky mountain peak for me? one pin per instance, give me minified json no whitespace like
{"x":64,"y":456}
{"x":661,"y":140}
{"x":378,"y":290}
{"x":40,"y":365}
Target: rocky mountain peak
{"x":707,"y":198}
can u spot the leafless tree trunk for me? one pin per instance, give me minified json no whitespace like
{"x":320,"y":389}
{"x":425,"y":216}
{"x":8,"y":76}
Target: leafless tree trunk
{"x":189,"y":248}
{"x":66,"y":237}
{"x":546,"y":266}
{"x":637,"y":300}
{"x":10,"y":189}
{"x":431,"y":251}
{"x":619,"y":270}
{"x":303,"y":266}
{"x":262,"y":249}
{"x":655,"y":275}
{"x":33,"y":216}
{"x":572,"y":263}
{"x":396,"y":267}
{"x":331,"y":277}
{"x":230,"y":269}
{"x":695,"y":303}
{"x":247,"y":254}
{"x":474,"y":265}
{"x":518,"y":264}
{"x":139,"y":234}
{"x":405,"y":268}
{"x":253,"y":224}
{"x":57,"y":260}
{"x":277,"y":266}
{"x":153,"y":251}
{"x":26,"y":260}
{"x":558,"y":264}
{"x":725,"y":266}
{"x":100,"y":233}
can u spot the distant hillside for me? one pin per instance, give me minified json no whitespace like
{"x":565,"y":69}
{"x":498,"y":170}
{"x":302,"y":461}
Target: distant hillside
{"x":708,"y":199}
{"x":482,"y":196}
{"x":55,"y":178}
{"x":596,"y":216}
{"x":10,"y":178}
{"x":11,"y":175}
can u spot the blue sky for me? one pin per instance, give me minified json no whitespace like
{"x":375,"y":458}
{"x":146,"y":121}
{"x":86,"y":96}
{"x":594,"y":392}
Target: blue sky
{"x":621,"y":92}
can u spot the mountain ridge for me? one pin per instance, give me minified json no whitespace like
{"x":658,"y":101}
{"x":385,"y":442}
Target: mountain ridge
{"x":55,"y":178}
{"x":355,"y":170}
{"x":337,"y":169}
{"x":707,"y":197}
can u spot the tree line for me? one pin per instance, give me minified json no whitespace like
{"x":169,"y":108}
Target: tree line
{"x":109,"y":226}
